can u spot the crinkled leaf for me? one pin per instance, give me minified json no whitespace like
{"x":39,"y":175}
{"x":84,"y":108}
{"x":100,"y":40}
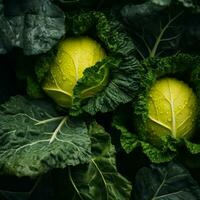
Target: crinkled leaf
{"x":193,"y":148}
{"x":122,"y":88}
{"x":100,"y":179}
{"x":165,"y":182}
{"x":34,"y":139}
{"x":155,"y":154}
{"x":130,"y":141}
{"x":95,"y":79}
{"x":35,"y":26}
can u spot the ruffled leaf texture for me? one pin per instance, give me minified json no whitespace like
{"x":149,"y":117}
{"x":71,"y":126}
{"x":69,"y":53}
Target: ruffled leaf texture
{"x":130,"y":141}
{"x":35,"y":139}
{"x":35,"y":26}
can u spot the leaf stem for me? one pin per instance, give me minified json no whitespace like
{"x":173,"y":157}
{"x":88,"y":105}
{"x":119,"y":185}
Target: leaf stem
{"x":159,"y":38}
{"x":57,"y":130}
{"x":159,"y":188}
{"x":73,"y":183}
{"x":49,"y":120}
{"x":104,"y":181}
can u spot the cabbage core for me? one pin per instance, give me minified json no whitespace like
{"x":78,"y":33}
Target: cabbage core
{"x":73,"y":57}
{"x":172,"y":109}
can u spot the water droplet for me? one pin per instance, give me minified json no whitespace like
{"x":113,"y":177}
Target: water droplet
{"x":64,"y":78}
{"x":169,"y":119}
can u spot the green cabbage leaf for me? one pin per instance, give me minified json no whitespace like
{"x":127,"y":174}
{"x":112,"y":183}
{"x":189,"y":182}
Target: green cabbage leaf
{"x":98,"y":177}
{"x":155,"y":182}
{"x":35,"y":26}
{"x":35,"y":139}
{"x":162,"y":27}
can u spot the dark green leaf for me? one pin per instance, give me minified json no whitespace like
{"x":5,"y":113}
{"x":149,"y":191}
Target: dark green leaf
{"x":34,"y":26}
{"x":100,"y":179}
{"x":157,"y":155}
{"x":130,"y":141}
{"x":165,"y":182}
{"x":34,"y":139}
{"x":152,"y":26}
{"x":193,"y":148}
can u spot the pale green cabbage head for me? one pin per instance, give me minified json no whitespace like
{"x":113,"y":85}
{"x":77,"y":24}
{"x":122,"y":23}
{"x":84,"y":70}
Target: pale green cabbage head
{"x":73,"y":57}
{"x":172,"y":109}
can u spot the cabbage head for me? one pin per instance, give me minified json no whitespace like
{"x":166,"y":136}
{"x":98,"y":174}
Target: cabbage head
{"x":78,"y":74}
{"x":74,"y":55}
{"x":166,"y":115}
{"x":172,"y":109}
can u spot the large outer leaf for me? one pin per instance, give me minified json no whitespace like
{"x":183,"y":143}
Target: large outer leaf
{"x":35,"y":25}
{"x":165,"y":182}
{"x":125,"y":72}
{"x":34,"y":139}
{"x":162,"y":27}
{"x":150,"y":27}
{"x":99,"y":179}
